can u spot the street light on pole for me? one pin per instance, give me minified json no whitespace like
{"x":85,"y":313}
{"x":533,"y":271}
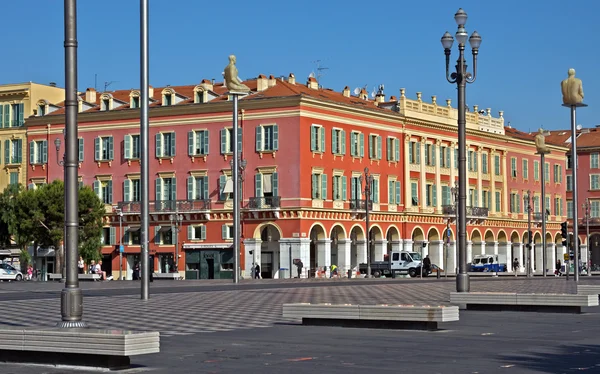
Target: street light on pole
{"x":454,"y":191}
{"x":368,"y":182}
{"x":527,"y":201}
{"x":176,"y":221}
{"x":586,"y":209}
{"x":461,"y":77}
{"x":120,"y":213}
{"x":239,"y":166}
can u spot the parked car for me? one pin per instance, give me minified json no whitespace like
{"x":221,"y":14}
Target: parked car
{"x":435,"y":269}
{"x":7,"y":272}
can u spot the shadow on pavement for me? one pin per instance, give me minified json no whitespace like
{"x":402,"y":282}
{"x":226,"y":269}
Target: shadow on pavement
{"x":567,"y":359}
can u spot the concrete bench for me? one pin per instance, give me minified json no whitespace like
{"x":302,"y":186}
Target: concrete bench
{"x":75,"y":347}
{"x":55,"y":276}
{"x":88,"y":277}
{"x":424,"y":317}
{"x":172,"y":276}
{"x":568,"y":303}
{"x":588,"y":289}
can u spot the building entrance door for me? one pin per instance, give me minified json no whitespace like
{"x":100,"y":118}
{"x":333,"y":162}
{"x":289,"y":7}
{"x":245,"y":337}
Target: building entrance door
{"x":266,"y":265}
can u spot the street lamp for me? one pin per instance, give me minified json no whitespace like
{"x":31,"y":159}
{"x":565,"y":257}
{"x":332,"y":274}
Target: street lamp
{"x":238,"y":165}
{"x":120,"y":213}
{"x":454,"y":191}
{"x":368,"y":182}
{"x":586,"y":208}
{"x":527,"y":201}
{"x":461,"y":77}
{"x":176,"y":221}
{"x":60,"y":162}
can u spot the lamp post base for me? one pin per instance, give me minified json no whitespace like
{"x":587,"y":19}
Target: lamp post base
{"x":463,"y":283}
{"x":71,"y":300}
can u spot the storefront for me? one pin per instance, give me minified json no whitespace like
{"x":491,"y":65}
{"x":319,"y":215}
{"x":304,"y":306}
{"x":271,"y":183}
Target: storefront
{"x":208,"y":261}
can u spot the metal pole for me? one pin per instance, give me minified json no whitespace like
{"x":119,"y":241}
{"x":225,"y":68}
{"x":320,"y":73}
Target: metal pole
{"x":587,"y":237}
{"x":529,"y":234}
{"x":236,"y":193}
{"x":543,"y":158}
{"x":575,"y":205}
{"x":367,"y":199}
{"x":71,"y":298}
{"x":447,"y":250}
{"x":144,"y":140}
{"x":291,"y":276}
{"x":462,"y":278}
{"x":120,"y":245}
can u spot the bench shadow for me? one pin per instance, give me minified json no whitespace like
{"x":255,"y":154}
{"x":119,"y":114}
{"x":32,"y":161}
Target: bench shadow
{"x":568,"y":359}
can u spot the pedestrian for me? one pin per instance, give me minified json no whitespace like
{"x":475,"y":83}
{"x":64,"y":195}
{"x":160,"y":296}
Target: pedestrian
{"x":557,"y":272}
{"x":333,"y":271}
{"x":136,"y":271}
{"x":516,"y":266}
{"x":299,"y":266}
{"x":427,"y":264}
{"x":257,"y":271}
{"x":80,"y":265}
{"x":29,"y":272}
{"x":98,"y":270}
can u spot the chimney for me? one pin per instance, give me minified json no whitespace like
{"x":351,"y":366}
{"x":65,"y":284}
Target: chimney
{"x":150,"y":92}
{"x":379,"y":98}
{"x":312,"y":83}
{"x":363,"y":94}
{"x":346,"y":91}
{"x":90,"y":95}
{"x":393,"y":98}
{"x":292,"y":79}
{"x":206,"y":84}
{"x":261,"y":83}
{"x":272,"y":81}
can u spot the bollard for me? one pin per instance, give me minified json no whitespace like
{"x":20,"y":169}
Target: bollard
{"x":438,"y":273}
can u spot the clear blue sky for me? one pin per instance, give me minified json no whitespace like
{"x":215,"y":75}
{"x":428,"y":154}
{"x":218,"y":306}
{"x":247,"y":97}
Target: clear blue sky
{"x":526,"y":51}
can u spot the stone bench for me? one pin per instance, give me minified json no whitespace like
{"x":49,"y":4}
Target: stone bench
{"x":75,"y":347}
{"x":588,"y":289}
{"x":568,"y":303}
{"x":172,"y":276}
{"x":423,"y":317}
{"x":88,"y":277}
{"x":55,"y":276}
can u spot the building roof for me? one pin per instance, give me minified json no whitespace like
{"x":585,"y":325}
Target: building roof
{"x":586,"y":138}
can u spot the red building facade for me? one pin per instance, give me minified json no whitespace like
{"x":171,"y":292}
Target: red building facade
{"x":306,"y":150}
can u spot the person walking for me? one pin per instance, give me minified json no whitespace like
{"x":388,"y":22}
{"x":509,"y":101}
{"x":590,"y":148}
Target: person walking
{"x":80,"y":265}
{"x":299,"y":266}
{"x":257,"y":271}
{"x":516,"y":266}
{"x":333,"y":271}
{"x":427,"y":264}
{"x":557,"y":272}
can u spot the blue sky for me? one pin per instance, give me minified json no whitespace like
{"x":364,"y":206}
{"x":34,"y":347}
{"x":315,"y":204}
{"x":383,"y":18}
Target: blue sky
{"x":526,"y":51}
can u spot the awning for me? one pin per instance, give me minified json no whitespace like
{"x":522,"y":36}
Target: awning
{"x":164,"y":228}
{"x":228,"y":186}
{"x":207,"y":246}
{"x":133,"y":228}
{"x":267,"y":183}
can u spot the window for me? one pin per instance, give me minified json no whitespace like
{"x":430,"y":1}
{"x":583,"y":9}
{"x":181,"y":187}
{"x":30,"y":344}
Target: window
{"x":570,"y":209}
{"x":414,"y":153}
{"x":105,"y":105}
{"x":317,"y":138}
{"x":431,"y":195}
{"x":4,"y":115}
{"x":103,"y":147}
{"x":445,"y":157}
{"x":514,"y":203}
{"x":595,"y":182}
{"x":199,"y":97}
{"x":455,"y":158}
{"x":525,"y":169}
{"x":546,"y":172}
{"x":80,"y":149}
{"x":430,"y":154}
{"x":109,"y":235}
{"x":498,"y":201}
{"x":13,"y":151}
{"x":414,"y":193}
{"x":536,"y":170}
{"x":196,"y":232}
{"x":557,"y":206}
{"x":357,"y":144}
{"x":103,"y":188}
{"x":319,"y":186}
{"x":167,"y":99}
{"x":536,"y":204}
{"x":165,"y":189}
{"x":163,"y":235}
{"x":132,"y":237}
{"x":227,"y":232}
{"x":338,"y":142}
{"x":569,"y":183}
{"x":14,"y":178}
{"x":131,"y":190}
{"x":225,"y":187}
{"x":446,"y":195}
{"x":484,"y":163}
{"x":41,"y":110}
{"x":135,"y":102}
{"x":547,"y":205}
{"x":595,"y":209}
{"x":375,"y":191}
{"x":131,"y":147}
{"x":165,"y":144}
{"x":198,"y":143}
{"x":472,"y":161}
{"x":267,"y":138}
{"x":394,"y":192}
{"x":513,"y":167}
{"x":356,"y":188}
{"x":266,"y":185}
{"x":197,"y":188}
{"x":485,"y":199}
{"x":497,"y":164}
{"x":17,"y":115}
{"x":38,"y":152}
{"x":340,"y":186}
{"x":226,"y":143}
{"x":375,"y":147}
{"x":557,"y":173}
{"x":569,"y":161}
{"x":594,"y":160}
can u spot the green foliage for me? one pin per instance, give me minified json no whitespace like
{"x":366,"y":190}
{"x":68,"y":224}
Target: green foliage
{"x":8,"y":221}
{"x":91,"y":212}
{"x":25,"y":259}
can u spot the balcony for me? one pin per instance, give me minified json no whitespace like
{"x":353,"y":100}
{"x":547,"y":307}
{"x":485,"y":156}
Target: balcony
{"x":473,"y":212}
{"x":266,"y":202}
{"x":360,"y":204}
{"x":166,"y":206}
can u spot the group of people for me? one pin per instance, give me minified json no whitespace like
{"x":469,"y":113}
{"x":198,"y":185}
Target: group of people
{"x":557,"y":268}
{"x":94,"y":268}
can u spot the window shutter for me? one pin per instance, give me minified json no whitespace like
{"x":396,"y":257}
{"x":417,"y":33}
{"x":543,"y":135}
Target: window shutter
{"x":205,"y":185}
{"x":313,"y":139}
{"x":434,"y":193}
{"x":475,"y":160}
{"x":391,"y":192}
{"x":362,"y":145}
{"x":44,"y":151}
{"x":258,"y":185}
{"x":113,"y":234}
{"x":1,"y":116}
{"x":158,"y":189}
{"x":203,"y":232}
{"x":7,"y":151}
{"x":239,"y":136}
{"x":222,"y":182}
{"x":427,"y":154}
{"x":190,"y":232}
{"x":448,"y":165}
{"x":110,"y":148}
{"x":191,"y":141}
{"x":127,"y":147}
{"x":343,"y":145}
{"x":7,"y":115}
{"x":21,"y":112}
{"x":334,"y":141}
{"x":109,"y":198}
{"x":413,"y":191}
{"x":376,"y":187}
{"x":157,"y":235}
{"x":190,"y":188}
{"x":418,"y":153}
{"x":433,"y":151}
{"x":336,"y":192}
{"x":388,"y":151}
{"x":173,"y":189}
{"x":223,"y":141}
{"x":80,"y":149}
{"x":353,"y":188}
{"x":173,"y":144}
{"x":206,"y":142}
{"x":224,"y":230}
{"x":410,"y":153}
{"x":371,"y":147}
{"x":315,"y":186}
{"x":275,"y":137}
{"x":397,"y":149}
{"x":127,"y":190}
{"x":352,"y":143}
{"x":322,"y":139}
{"x":32,"y":152}
{"x":397,"y":192}
{"x":97,"y":189}
{"x":324,"y":186}
{"x":344,"y":188}
{"x":275,"y":184}
{"x":259,"y":135}
{"x":159,"y":151}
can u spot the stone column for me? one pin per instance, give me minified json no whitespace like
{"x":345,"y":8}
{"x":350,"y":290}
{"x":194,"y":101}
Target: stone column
{"x":324,"y":255}
{"x":397,"y":245}
{"x":504,"y":183}
{"x":469,"y":253}
{"x":494,"y":247}
{"x":520,"y":255}
{"x":492,"y":173}
{"x":436,"y":252}
{"x":407,"y":188}
{"x":584,"y":254}
{"x":254,"y":246}
{"x":408,"y":245}
{"x":438,"y":181}
{"x":538,"y":265}
{"x":551,"y":257}
{"x":423,"y":174}
{"x":361,"y":251}
{"x":452,"y":258}
{"x":379,"y":249}
{"x":344,"y":258}
{"x":506,"y":249}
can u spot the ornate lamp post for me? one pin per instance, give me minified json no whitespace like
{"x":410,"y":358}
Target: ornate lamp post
{"x":586,"y":209}
{"x":368,"y":182}
{"x":454,"y":191}
{"x":527,"y":201}
{"x":176,"y":221}
{"x":120,"y":213}
{"x":237,"y":169}
{"x":461,"y":77}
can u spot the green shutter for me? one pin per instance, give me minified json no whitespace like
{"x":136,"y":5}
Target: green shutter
{"x":259,"y":136}
{"x":322,"y":139}
{"x":391,"y":192}
{"x":313,"y":138}
{"x":127,"y":147}
{"x":434,"y":193}
{"x":113,"y":234}
{"x":371,"y":149}
{"x":411,"y":159}
{"x":1,"y":116}
{"x":157,"y":235}
{"x":418,"y":153}
{"x":45,"y":151}
{"x":80,"y":149}
{"x":315,"y":186}
{"x":324,"y":186}
{"x":433,"y":151}
{"x":258,"y":185}
{"x":333,"y":141}
{"x":224,"y":230}
{"x":414,"y":191}
{"x":335,"y":188}
{"x":223,"y":141}
{"x":202,"y":232}
{"x":362,"y":145}
{"x":158,"y":190}
{"x":352,"y":142}
{"x":275,"y":137}
{"x":7,"y":151}
{"x":173,"y":144}
{"x":205,"y":186}
{"x":21,"y":114}
{"x":109,"y":198}
{"x":427,"y":148}
{"x":475,"y":160}
{"x":32,"y":152}
{"x":19,"y":151}
{"x":190,"y":232}
{"x":97,"y":155}
{"x":191,"y":147}
{"x":7,"y":115}
{"x":173,"y":189}
{"x":397,"y":149}
{"x":448,"y":165}
{"x":239,"y":136}
{"x":206,"y":142}
{"x":97,"y":189}
{"x":275,"y":184}
{"x":343,"y":140}
{"x":127,"y":190}
{"x":388,"y":150}
{"x":110,"y":148}
{"x":190,"y":188}
{"x":344,"y":188}
{"x":376,"y":188}
{"x":222,"y":182}
{"x":159,"y":151}
{"x":397,"y":192}
{"x":353,"y":188}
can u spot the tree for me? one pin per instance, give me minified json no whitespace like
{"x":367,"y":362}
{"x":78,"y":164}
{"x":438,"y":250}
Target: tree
{"x":8,"y":201}
{"x":91,"y":213}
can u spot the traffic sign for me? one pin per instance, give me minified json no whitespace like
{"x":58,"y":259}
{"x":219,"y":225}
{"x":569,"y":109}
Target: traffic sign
{"x":566,"y":257}
{"x":121,"y":248}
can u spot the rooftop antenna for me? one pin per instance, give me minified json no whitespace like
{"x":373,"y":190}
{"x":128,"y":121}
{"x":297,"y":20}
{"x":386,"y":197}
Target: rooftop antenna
{"x":357,"y":91}
{"x":107,"y":84}
{"x":96,"y":81}
{"x":373,"y":93}
{"x":319,"y":69}
{"x":579,"y":127}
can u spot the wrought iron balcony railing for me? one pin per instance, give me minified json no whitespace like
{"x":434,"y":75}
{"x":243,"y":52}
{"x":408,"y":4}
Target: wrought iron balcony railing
{"x":166,"y":206}
{"x":360,"y":204}
{"x":267,"y":202}
{"x":472,"y":211}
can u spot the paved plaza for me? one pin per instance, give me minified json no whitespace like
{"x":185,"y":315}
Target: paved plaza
{"x":218,"y":327}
